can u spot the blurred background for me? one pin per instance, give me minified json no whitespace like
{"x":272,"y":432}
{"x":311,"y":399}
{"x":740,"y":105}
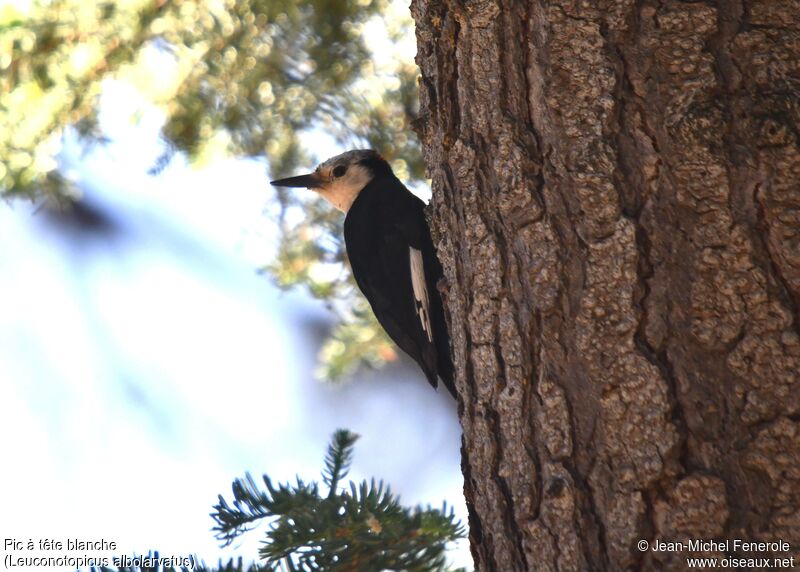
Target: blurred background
{"x":168,"y":321}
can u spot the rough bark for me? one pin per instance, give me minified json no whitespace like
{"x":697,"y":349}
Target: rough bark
{"x":616,"y":203}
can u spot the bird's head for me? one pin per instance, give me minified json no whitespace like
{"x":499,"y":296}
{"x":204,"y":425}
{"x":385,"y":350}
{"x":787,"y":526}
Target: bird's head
{"x":340,"y":179}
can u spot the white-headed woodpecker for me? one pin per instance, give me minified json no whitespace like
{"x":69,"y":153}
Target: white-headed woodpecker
{"x":391,"y":254}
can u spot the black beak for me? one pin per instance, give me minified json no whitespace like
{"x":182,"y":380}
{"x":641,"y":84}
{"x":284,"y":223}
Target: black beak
{"x":310,"y":181}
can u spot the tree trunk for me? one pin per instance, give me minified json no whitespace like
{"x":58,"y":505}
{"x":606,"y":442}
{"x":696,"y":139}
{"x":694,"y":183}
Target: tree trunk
{"x":616,"y":203}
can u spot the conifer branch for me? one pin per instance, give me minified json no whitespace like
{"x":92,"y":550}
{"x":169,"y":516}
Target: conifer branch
{"x":338,"y":459}
{"x":363,"y":527}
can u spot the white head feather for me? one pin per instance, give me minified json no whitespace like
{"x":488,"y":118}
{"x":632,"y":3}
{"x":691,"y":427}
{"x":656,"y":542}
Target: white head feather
{"x":341,"y":191}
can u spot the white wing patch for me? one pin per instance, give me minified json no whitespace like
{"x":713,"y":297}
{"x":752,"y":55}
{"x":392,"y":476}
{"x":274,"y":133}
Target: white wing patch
{"x":420,"y":290}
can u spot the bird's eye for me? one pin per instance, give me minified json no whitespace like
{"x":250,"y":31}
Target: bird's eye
{"x":339,"y":171}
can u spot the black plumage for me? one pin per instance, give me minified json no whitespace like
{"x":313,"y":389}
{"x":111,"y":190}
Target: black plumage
{"x":385,"y":220}
{"x":389,"y":245}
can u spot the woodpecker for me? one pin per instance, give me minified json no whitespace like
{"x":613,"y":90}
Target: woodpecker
{"x":391,"y":253}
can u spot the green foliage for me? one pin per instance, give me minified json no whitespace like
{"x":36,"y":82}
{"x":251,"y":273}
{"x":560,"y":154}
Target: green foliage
{"x":357,"y":338}
{"x":239,"y":77}
{"x":361,"y":528}
{"x":247,"y":75}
